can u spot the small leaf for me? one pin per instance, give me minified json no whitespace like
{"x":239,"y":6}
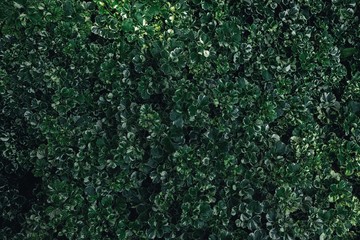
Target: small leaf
{"x":100,"y":142}
{"x":271,"y":216}
{"x":347,"y":52}
{"x":68,"y":9}
{"x":322,"y":236}
{"x":40,"y":154}
{"x":177,"y":119}
{"x":4,"y":139}
{"x":273,"y":234}
{"x":354,"y":106}
{"x":128,"y":25}
{"x":266,"y":75}
{"x":18,"y":5}
{"x":257,"y":235}
{"x":90,"y":190}
{"x":151,"y":234}
{"x":168,"y":145}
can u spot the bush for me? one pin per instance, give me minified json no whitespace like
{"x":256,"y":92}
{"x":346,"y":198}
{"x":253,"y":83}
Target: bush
{"x":191,"y":119}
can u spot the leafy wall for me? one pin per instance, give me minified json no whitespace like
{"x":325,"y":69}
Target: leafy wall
{"x":189,"y":119}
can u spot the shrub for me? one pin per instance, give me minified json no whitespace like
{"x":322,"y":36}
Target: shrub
{"x":188,"y":119}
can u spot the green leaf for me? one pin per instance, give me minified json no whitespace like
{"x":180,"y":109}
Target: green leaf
{"x":68,"y":8}
{"x":18,"y":5}
{"x":273,"y":234}
{"x":177,"y":118}
{"x":153,"y":10}
{"x":90,"y":190}
{"x":40,"y":154}
{"x":128,"y":25}
{"x":347,"y":52}
{"x":257,"y":235}
{"x":151,"y":233}
{"x":266,"y":75}
{"x":205,"y":210}
{"x":354,"y":106}
{"x":167,"y":68}
{"x":4,"y":139}
{"x":168,"y":145}
{"x":322,"y":236}
{"x":271,"y":216}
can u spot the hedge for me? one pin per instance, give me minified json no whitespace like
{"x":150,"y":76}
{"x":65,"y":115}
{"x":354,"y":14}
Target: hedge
{"x":187,"y":119}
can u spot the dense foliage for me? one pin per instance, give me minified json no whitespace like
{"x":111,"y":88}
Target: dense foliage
{"x":187,"y":119}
